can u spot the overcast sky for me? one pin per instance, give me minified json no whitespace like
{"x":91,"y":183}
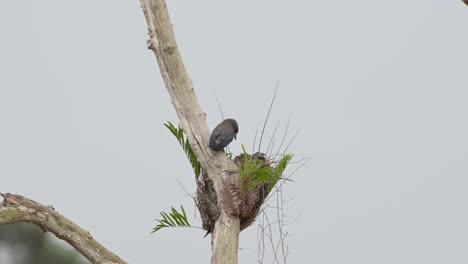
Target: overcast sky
{"x":379,"y":90}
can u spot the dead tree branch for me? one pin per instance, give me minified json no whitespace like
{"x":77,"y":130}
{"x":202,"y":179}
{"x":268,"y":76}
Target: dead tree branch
{"x":162,"y":42}
{"x":16,"y":208}
{"x":220,"y":170}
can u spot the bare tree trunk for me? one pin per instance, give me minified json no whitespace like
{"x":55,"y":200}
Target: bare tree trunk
{"x":220,"y":170}
{"x":225,"y":236}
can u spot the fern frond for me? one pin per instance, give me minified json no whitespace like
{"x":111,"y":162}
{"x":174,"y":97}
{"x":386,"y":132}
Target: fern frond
{"x":178,"y":132}
{"x":172,"y":219}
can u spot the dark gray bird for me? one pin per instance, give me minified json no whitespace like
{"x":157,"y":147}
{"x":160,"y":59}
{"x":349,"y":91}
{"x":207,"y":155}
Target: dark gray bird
{"x":223,"y":134}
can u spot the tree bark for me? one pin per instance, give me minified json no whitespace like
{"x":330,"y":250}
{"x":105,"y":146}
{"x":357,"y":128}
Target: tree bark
{"x":225,"y":237}
{"x":222,"y":171}
{"x":16,"y":208}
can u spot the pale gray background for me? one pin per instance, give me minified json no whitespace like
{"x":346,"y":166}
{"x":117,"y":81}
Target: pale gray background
{"x":379,"y":90}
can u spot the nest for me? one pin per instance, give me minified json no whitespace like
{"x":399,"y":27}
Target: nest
{"x":241,"y":200}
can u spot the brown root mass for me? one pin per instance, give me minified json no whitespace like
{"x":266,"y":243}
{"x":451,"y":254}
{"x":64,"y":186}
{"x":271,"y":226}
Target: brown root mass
{"x":207,"y":202}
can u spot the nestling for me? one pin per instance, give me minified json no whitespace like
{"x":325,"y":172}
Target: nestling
{"x":223,"y":134}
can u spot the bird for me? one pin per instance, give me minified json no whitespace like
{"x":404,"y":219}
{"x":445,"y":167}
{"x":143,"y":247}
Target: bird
{"x":223,"y":134}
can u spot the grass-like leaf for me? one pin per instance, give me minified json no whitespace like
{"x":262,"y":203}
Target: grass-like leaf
{"x":253,"y":172}
{"x":279,"y":169}
{"x":178,"y":132}
{"x":172,"y":219}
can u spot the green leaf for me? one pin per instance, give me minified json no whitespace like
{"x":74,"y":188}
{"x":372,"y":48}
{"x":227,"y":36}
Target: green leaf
{"x":172,"y":219}
{"x":279,"y":169}
{"x":254,"y":172}
{"x":184,"y":216}
{"x":184,"y":143}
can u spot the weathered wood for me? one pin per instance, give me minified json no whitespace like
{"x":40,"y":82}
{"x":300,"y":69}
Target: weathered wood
{"x":222,"y":171}
{"x":162,"y":42}
{"x":16,"y":208}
